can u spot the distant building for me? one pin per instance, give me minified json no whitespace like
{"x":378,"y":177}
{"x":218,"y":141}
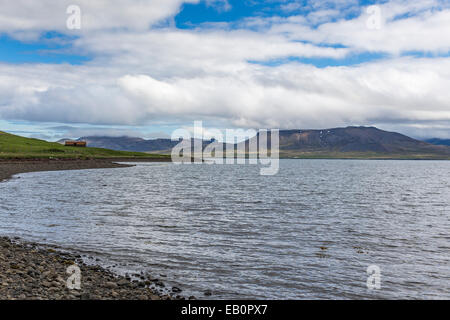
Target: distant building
{"x":70,"y":143}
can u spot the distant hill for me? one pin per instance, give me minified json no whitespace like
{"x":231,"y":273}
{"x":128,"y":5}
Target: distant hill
{"x":129,"y":144}
{"x":357,"y":140}
{"x":439,"y":142}
{"x":12,"y":146}
{"x":350,"y":142}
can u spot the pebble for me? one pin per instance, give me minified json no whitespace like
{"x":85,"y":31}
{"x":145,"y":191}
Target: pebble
{"x":208,"y":293}
{"x":111,"y":285}
{"x":123,"y":282}
{"x":33,"y":271}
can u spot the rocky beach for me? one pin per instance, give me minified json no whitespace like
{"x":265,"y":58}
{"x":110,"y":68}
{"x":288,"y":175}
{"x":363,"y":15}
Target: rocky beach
{"x":35,"y":271}
{"x":10,"y":167}
{"x":30,"y":271}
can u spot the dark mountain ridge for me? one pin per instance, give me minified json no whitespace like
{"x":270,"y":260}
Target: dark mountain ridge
{"x":439,"y":142}
{"x":126,"y":143}
{"x":353,"y":139}
{"x":358,"y":142}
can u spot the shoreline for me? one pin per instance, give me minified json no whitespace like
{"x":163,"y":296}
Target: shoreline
{"x":32,"y":271}
{"x":11,"y":167}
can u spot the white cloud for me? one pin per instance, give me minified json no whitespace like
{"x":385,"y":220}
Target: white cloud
{"x":301,"y":96}
{"x":174,"y":52}
{"x":405,"y":26}
{"x":21,"y":17}
{"x":141,"y":75}
{"x":219,"y":5}
{"x":289,"y":96}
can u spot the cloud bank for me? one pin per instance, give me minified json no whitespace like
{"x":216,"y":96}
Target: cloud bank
{"x":250,"y":73}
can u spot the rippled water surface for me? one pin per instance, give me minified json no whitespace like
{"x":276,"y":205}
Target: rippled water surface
{"x":309,"y":232}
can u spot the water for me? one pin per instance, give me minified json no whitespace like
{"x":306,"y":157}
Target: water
{"x":309,"y":232}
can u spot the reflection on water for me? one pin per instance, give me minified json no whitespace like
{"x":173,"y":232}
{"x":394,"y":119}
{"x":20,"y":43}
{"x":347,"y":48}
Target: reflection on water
{"x":309,"y":232}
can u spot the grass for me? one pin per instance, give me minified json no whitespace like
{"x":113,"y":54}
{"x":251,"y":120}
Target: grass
{"x":16,"y":147}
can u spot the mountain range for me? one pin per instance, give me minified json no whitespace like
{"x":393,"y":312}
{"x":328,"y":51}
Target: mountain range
{"x":349,"y":142}
{"x":128,"y":143}
{"x":439,"y":142}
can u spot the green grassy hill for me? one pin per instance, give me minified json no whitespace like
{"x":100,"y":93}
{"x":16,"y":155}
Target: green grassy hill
{"x":12,"y":146}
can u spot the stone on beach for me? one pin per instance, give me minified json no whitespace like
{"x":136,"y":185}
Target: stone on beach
{"x":31,"y":271}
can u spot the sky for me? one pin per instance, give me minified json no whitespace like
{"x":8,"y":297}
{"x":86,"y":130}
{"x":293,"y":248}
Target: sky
{"x":147,"y":67}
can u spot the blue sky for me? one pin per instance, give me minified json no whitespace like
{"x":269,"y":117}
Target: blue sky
{"x":193,"y":15}
{"x":55,"y":47}
{"x":150,"y":69}
{"x":51,"y":47}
